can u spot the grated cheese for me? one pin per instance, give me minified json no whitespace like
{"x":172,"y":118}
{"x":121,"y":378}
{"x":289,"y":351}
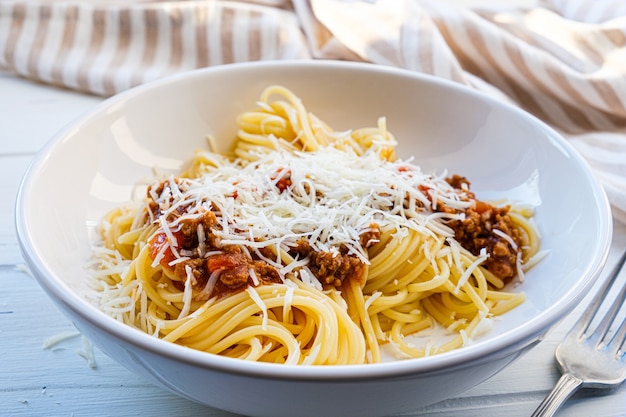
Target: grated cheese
{"x":201,"y":240}
{"x":177,"y":260}
{"x":254,"y":295}
{"x":254,"y":277}
{"x":288,"y":300}
{"x":530,"y":263}
{"x":54,"y":340}
{"x":519,"y":268}
{"x":23,"y":268}
{"x":470,"y":270}
{"x":485,"y":325}
{"x":159,"y":256}
{"x":308,"y":278}
{"x":210,"y":284}
{"x":371,"y":299}
{"x":506,"y":237}
{"x":466,"y":340}
{"x":187,"y":292}
{"x":87,"y":353}
{"x":334,"y":196}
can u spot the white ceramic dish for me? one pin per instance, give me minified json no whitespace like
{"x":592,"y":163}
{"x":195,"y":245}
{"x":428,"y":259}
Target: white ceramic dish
{"x":92,"y":165}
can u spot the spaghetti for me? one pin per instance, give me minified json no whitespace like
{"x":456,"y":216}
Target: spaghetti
{"x":310,"y":246}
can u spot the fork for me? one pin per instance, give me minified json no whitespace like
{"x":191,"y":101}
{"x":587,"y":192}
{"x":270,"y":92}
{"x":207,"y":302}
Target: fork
{"x":591,"y":359}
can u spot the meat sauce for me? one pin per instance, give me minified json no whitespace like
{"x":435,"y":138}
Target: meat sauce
{"x":476,"y":231}
{"x":235,"y":269}
{"x":204,"y":256}
{"x":334,"y":269}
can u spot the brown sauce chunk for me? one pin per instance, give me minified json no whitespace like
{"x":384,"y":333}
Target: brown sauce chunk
{"x":476,"y":231}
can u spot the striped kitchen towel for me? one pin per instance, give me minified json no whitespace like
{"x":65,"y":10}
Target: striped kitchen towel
{"x":562,"y":60}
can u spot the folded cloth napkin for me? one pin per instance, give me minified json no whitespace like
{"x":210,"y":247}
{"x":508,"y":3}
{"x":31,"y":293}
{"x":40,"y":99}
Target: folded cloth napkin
{"x":562,"y":60}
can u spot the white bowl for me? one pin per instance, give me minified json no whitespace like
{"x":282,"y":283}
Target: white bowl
{"x":92,"y":165}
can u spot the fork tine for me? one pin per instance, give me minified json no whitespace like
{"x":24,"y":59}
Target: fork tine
{"x":582,"y":325}
{"x":617,"y":346}
{"x":605,"y":324}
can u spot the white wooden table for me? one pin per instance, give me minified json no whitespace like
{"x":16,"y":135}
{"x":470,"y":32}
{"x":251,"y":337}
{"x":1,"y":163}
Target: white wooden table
{"x":59,"y":382}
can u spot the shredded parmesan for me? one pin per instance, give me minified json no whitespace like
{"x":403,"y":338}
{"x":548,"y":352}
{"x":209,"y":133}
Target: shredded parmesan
{"x":187,"y":293}
{"x":160,"y":254}
{"x":254,"y":295}
{"x":288,"y":300}
{"x":506,"y":237}
{"x":54,"y":340}
{"x":371,"y":299}
{"x":470,"y":270}
{"x":255,"y":279}
{"x":466,"y":340}
{"x":23,"y":268}
{"x":87,"y":353}
{"x":178,"y":260}
{"x":519,"y":268}
{"x":484,"y":325}
{"x":210,"y":285}
{"x":308,"y":278}
{"x":535,"y":259}
{"x":333,"y":197}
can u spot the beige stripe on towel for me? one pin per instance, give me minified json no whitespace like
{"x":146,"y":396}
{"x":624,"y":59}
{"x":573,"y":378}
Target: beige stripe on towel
{"x":104,"y":48}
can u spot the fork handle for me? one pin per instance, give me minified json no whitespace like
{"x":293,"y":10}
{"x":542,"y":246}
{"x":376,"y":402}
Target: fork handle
{"x":564,"y":388}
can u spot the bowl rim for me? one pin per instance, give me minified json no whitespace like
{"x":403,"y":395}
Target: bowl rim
{"x":528,"y":333}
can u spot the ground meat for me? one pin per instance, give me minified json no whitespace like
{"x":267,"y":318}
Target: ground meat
{"x":195,"y":237}
{"x":234,"y":272}
{"x":163,"y":191}
{"x":370,"y":236}
{"x":189,"y":231}
{"x":198,"y":270}
{"x":476,"y":232}
{"x":331,"y":268}
{"x":234,"y":267}
{"x":460,"y":183}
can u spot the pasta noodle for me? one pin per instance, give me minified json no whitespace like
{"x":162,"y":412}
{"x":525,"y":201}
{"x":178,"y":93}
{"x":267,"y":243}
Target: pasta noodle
{"x":310,"y":246}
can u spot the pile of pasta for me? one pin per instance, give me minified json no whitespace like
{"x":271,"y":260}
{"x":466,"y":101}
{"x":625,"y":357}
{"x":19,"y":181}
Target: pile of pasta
{"x":306,"y":245}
